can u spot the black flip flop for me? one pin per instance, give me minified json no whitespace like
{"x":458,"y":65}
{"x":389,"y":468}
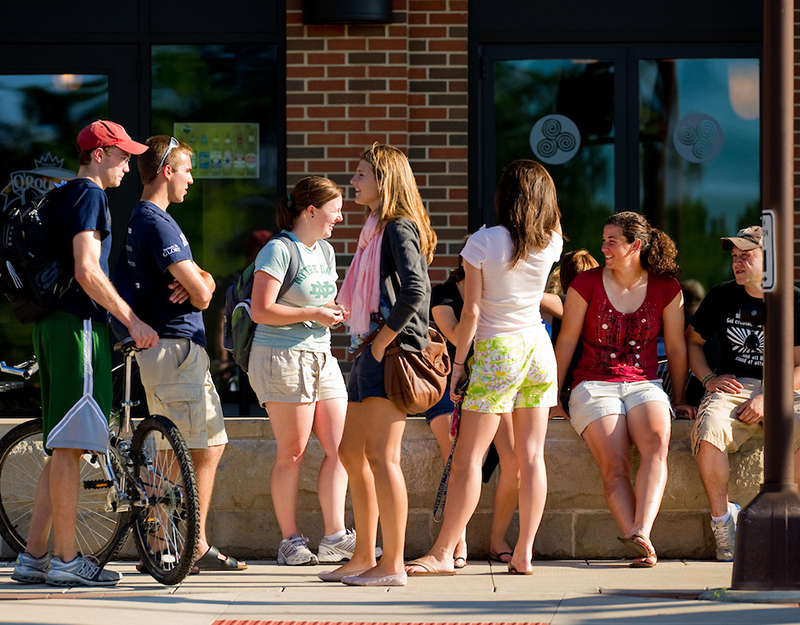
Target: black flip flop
{"x":213,"y":560}
{"x":498,"y":557}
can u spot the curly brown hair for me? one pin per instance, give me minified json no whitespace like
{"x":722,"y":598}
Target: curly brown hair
{"x":658,"y":249}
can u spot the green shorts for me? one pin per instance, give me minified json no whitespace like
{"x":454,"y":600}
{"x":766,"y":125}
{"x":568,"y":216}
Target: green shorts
{"x":58,"y":344}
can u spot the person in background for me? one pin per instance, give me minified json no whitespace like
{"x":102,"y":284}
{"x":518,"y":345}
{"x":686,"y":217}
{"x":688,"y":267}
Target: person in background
{"x":388,"y":291}
{"x":615,"y":312}
{"x":513,"y":368}
{"x":292,"y":370}
{"x":165,"y":286}
{"x":61,"y":340}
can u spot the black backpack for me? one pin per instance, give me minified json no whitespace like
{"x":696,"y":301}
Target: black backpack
{"x":34,"y":276}
{"x":238,"y":326}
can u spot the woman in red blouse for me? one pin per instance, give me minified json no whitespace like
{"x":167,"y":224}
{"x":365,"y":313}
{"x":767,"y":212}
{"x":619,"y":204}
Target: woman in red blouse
{"x":617,"y":312}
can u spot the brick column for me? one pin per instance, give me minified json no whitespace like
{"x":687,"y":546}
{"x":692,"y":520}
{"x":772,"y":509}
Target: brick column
{"x":403,"y":83}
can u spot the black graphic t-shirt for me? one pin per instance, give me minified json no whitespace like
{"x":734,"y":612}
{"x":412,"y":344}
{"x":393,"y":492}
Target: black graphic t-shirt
{"x":738,"y":321}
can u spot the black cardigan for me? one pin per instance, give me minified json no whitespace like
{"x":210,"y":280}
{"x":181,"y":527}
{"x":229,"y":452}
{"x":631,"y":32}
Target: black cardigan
{"x":405,"y":284}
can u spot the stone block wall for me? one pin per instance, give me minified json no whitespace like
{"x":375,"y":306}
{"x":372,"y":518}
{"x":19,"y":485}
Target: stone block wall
{"x":576,"y":522}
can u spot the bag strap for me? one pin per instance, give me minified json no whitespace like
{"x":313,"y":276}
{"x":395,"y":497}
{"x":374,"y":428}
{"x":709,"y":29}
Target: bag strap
{"x":294,"y":264}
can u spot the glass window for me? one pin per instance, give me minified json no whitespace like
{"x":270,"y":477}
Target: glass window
{"x":222,"y":100}
{"x":40,"y":116}
{"x":561,"y":113}
{"x":699,"y":155}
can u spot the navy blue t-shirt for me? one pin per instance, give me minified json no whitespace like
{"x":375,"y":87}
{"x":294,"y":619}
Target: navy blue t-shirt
{"x":155,"y":241}
{"x":83,"y":206}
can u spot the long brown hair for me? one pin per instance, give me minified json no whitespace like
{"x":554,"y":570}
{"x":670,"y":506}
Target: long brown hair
{"x":309,"y":191}
{"x":658,"y":252}
{"x":399,"y":193}
{"x":526,"y":205}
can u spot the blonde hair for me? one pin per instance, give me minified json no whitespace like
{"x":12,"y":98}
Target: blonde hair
{"x":400,"y":196}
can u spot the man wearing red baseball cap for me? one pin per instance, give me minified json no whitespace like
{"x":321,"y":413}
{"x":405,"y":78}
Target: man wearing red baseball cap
{"x":76,"y":389}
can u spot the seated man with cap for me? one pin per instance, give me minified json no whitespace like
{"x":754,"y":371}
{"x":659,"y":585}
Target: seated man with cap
{"x":732,"y":409}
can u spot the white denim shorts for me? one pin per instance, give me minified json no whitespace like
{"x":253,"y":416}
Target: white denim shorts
{"x":592,"y":400}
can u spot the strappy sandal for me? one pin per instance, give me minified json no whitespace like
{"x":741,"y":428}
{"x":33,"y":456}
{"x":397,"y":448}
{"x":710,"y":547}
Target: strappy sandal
{"x":213,"y":560}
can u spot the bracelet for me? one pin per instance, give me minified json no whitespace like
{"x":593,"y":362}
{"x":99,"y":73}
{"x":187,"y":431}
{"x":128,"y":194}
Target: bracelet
{"x":707,"y":378}
{"x":460,"y":364}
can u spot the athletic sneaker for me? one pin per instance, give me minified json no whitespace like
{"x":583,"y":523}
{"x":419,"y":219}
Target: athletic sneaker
{"x":725,"y":534}
{"x":339,"y":550}
{"x":81,"y":571}
{"x":294,"y":551}
{"x":342,"y":549}
{"x":30,"y":570}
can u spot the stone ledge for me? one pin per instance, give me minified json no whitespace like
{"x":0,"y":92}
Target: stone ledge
{"x":576,"y":523}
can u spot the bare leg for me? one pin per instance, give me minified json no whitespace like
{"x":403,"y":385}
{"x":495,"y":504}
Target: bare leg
{"x":715,"y":470}
{"x":362,"y":488}
{"x":205,"y":468}
{"x":332,"y":481}
{"x":64,"y":488}
{"x":291,"y":425}
{"x":41,"y":517}
{"x":383,"y":446}
{"x":649,"y":426}
{"x":507,"y":492}
{"x":610,"y":445}
{"x":440,"y":426}
{"x":474,"y":436}
{"x":530,"y":429}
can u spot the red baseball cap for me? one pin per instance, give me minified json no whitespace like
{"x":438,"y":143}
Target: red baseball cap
{"x":101,"y":134}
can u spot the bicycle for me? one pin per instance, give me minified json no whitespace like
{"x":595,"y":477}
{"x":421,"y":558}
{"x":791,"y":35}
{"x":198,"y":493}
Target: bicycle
{"x":144,"y":484}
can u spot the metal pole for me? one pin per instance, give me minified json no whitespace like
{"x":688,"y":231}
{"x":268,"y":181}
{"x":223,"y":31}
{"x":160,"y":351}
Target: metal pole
{"x":768,"y":533}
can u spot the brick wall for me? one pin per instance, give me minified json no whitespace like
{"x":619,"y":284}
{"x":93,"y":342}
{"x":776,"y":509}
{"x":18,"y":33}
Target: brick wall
{"x":403,"y":83}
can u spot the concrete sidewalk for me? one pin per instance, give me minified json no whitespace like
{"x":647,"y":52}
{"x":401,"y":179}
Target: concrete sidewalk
{"x":560,"y":592}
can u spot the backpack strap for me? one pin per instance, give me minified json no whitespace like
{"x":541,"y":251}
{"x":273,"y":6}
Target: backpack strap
{"x":294,"y":264}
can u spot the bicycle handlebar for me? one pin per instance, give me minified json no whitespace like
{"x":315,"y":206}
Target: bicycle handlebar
{"x":23,"y":370}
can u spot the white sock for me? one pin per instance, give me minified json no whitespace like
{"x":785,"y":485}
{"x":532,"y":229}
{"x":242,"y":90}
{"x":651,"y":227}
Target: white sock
{"x":722,"y":519}
{"x":334,"y":537}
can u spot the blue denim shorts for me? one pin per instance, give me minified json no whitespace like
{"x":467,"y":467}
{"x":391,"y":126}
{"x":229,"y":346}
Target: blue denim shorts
{"x":366,"y":378}
{"x":443,"y":407}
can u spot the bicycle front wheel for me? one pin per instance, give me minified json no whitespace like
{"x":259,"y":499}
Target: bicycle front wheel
{"x":167,"y":529}
{"x":22,"y":460}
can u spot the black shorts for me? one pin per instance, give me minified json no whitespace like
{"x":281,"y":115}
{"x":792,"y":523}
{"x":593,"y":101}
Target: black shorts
{"x":366,"y":378}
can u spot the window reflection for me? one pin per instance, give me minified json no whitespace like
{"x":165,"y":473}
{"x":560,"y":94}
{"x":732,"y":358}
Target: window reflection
{"x":699,"y":154}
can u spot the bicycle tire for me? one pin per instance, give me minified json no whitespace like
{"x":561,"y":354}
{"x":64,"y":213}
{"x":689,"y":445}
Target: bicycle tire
{"x":167,"y":530}
{"x":22,"y":461}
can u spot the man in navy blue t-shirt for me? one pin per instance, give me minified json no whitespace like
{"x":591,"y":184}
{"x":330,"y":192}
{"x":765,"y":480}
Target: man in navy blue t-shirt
{"x":76,"y":389}
{"x":160,"y":280}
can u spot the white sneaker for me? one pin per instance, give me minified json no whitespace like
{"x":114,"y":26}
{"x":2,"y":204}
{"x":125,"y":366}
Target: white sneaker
{"x":725,"y":534}
{"x":337,"y":551}
{"x":30,"y":570}
{"x":80,"y":571}
{"x":294,"y":551}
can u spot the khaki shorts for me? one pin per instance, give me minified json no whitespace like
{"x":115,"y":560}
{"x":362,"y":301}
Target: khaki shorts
{"x":293,"y":376}
{"x":175,"y":375}
{"x":593,"y":400}
{"x":717,"y":423}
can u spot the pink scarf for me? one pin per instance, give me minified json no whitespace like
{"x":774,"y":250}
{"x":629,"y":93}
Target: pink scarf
{"x":361,"y":289}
